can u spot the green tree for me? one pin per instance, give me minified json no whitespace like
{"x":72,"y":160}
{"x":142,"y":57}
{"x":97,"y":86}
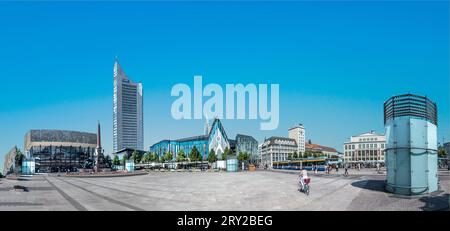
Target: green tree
{"x":135,"y":157}
{"x":226,"y":153}
{"x":107,"y":160}
{"x":441,"y":152}
{"x":124,"y":159}
{"x":1,"y":175}
{"x":116,"y":160}
{"x":212,"y":157}
{"x":194,"y":155}
{"x":154,"y":157}
{"x":168,"y":156}
{"x":18,"y":159}
{"x":181,"y":156}
{"x":295,"y":155}
{"x":243,"y":156}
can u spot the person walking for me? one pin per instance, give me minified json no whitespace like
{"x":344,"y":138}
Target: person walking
{"x":346,"y":170}
{"x":337,"y":168}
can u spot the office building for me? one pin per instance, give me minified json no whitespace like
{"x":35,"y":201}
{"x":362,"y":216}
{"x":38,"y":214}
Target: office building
{"x":246,"y":144}
{"x":298,"y":134}
{"x":128,"y":124}
{"x":276,"y":149}
{"x":58,"y":150}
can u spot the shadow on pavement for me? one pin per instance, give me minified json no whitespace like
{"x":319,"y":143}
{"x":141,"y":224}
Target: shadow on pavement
{"x":435,"y":203}
{"x":375,"y":185}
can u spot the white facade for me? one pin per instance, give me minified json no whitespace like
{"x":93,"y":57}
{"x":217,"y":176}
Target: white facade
{"x":298,"y":134}
{"x":367,"y":148}
{"x":276,"y":149}
{"x":128,"y":124}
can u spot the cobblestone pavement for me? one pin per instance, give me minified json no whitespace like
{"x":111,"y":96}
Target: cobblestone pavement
{"x":259,"y":190}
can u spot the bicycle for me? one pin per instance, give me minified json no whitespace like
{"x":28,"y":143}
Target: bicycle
{"x":306,"y":187}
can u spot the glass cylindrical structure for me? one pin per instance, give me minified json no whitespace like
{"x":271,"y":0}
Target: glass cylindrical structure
{"x":411,"y":149}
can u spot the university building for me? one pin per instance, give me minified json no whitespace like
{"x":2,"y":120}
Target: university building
{"x":128,"y":123}
{"x":366,"y":148}
{"x":215,"y":139}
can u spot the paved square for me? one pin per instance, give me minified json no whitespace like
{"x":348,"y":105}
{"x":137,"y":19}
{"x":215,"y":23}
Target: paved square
{"x":259,"y":190}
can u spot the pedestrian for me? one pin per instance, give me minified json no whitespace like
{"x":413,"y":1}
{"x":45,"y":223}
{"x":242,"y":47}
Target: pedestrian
{"x":337,"y":168}
{"x":346,"y":170}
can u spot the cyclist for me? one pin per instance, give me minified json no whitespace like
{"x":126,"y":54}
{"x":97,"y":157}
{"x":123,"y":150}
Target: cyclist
{"x":303,"y":177}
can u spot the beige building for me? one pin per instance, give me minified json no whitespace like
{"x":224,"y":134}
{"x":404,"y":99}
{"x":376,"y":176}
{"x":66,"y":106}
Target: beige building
{"x":367,"y":148}
{"x":298,"y":134}
{"x":276,"y":149}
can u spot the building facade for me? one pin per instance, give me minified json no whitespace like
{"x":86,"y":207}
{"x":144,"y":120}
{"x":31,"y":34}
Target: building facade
{"x":367,"y":148}
{"x":216,"y":139}
{"x":327,"y":151}
{"x":9,"y":162}
{"x":276,"y":149}
{"x":58,"y":150}
{"x":128,"y":123}
{"x":248,"y":144}
{"x":298,"y":134}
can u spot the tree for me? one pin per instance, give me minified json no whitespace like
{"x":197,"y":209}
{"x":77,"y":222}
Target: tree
{"x":116,"y":160}
{"x":441,"y":152}
{"x":124,"y":159}
{"x":107,"y":160}
{"x":181,"y":156}
{"x":19,"y":158}
{"x":195,"y":154}
{"x":295,"y":155}
{"x":162,"y":159}
{"x":226,"y":153}
{"x":154,"y":157}
{"x":135,"y":157}
{"x":212,"y":157}
{"x":168,"y":156}
{"x":243,"y":156}
{"x":1,"y":175}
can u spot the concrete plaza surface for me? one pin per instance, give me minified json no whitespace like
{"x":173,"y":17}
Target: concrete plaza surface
{"x":259,"y":190}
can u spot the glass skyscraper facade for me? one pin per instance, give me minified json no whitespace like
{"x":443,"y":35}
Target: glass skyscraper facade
{"x":128,"y":124}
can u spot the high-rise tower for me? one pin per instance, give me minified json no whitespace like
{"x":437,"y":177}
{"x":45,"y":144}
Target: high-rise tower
{"x":298,"y":134}
{"x":128,"y":124}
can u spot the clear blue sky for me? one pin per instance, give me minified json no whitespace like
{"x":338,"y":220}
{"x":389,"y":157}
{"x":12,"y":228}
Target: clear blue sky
{"x":336,"y":62}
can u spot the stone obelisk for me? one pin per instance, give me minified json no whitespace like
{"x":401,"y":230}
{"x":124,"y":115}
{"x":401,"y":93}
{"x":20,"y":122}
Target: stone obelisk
{"x":98,"y":150}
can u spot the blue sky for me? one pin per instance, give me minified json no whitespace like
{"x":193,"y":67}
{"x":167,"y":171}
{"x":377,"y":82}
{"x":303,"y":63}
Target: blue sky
{"x":336,"y":62}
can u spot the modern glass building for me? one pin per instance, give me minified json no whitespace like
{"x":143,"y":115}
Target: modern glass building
{"x":216,"y":139}
{"x":248,"y":144}
{"x":411,"y":149}
{"x":57,"y":150}
{"x":128,"y":124}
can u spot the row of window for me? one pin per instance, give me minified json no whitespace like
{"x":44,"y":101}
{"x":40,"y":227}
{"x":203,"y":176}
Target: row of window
{"x":364,"y":146}
{"x":367,"y":139}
